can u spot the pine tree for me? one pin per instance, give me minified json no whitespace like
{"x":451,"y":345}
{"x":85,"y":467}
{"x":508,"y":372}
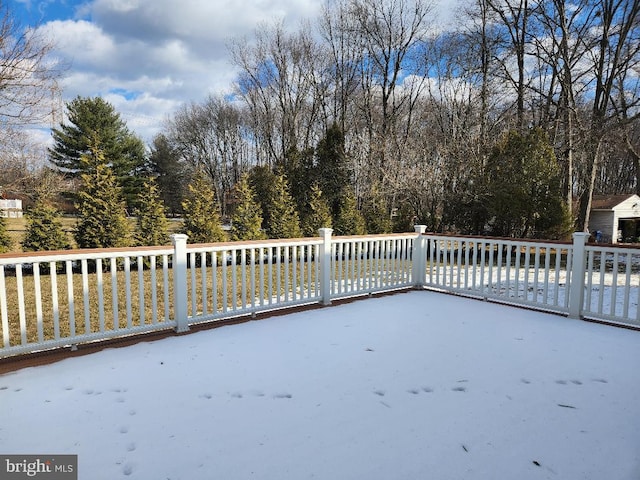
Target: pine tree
{"x":164,"y":163}
{"x":246,"y":221}
{"x":349,"y":221}
{"x":262,"y":180}
{"x":284,"y":221}
{"x":318,"y":216}
{"x":5,"y":240}
{"x":44,"y":229}
{"x":375,"y":212}
{"x":121,"y":150}
{"x":201,"y":213}
{"x":152,"y":224}
{"x":331,"y":170}
{"x":101,"y":208}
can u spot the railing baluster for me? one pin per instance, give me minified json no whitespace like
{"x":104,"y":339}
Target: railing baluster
{"x":253,"y":277}
{"x":71,"y":299}
{"x":547,"y":267}
{"x":243,"y":261}
{"x":603,"y":262}
{"x":261,"y":255}
{"x":140,"y":269}
{"x":627,"y":286}
{"x":204,"y":296}
{"x":100,"y":291}
{"x":154,"y":290}
{"x":127,"y":289}
{"x":21,"y":312}
{"x":536,"y":272}
{"x":38,"y":299}
{"x":214,"y":281}
{"x":85,"y":295}
{"x":4,"y":316}
{"x":223,"y":259}
{"x":556,"y":290}
{"x":165,"y":275}
{"x":614,"y":285}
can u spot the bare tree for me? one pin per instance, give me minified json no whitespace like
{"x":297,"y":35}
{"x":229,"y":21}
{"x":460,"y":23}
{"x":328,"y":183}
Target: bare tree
{"x":614,"y":63}
{"x":28,"y":75}
{"x":210,"y":137}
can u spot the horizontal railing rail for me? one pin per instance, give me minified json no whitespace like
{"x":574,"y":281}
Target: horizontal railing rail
{"x":55,"y":299}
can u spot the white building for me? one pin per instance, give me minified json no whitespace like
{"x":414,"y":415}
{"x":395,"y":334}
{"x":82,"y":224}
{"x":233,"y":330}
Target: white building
{"x":616,"y":217}
{"x":10,"y":208}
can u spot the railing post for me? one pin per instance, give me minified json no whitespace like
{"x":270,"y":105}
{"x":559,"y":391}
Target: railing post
{"x":419,"y":257}
{"x":325,"y":265}
{"x":576,"y":288}
{"x":180,"y":297}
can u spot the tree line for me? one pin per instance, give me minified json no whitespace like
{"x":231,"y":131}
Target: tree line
{"x":373,"y":117}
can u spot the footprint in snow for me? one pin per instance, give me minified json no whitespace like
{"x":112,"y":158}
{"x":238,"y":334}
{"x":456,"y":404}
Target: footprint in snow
{"x":561,"y":382}
{"x":413,"y":391}
{"x":131,"y":447}
{"x":283,"y":395}
{"x":127,"y":469}
{"x":525,"y":381}
{"x":459,"y":389}
{"x":600,"y":380}
{"x":427,"y":389}
{"x":380,"y":393}
{"x":124,"y":429}
{"x":576,"y":382}
{"x":236,"y":395}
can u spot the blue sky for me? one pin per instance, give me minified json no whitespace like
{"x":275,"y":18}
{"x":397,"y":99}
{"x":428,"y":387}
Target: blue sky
{"x":149,"y":57}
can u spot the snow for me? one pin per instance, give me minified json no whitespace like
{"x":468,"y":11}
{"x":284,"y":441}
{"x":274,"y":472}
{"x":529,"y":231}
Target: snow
{"x":414,"y":385}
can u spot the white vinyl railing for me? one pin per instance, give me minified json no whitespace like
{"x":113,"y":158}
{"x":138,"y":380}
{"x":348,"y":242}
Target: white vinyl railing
{"x":55,"y":299}
{"x":583,"y":281}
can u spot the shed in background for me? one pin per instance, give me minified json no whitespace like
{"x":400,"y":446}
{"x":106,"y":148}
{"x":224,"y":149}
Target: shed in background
{"x":10,"y":208}
{"x":616,"y":218}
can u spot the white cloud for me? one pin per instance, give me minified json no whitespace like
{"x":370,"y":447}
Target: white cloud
{"x":147,"y":57}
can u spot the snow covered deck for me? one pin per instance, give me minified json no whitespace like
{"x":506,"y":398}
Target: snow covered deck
{"x":413,"y":385}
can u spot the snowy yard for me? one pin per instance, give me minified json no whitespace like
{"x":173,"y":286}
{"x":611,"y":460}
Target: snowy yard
{"x":419,"y":385}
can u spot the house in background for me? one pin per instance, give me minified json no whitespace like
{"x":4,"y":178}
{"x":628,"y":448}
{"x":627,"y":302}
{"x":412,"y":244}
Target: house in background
{"x":10,"y":208}
{"x":616,"y":217}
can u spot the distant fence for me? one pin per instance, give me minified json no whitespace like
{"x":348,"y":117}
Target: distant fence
{"x":55,"y":299}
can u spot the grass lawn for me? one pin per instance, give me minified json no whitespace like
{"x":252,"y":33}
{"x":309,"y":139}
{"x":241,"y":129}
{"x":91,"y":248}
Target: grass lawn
{"x":18,"y":226}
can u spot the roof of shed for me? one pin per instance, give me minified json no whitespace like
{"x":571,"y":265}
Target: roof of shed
{"x":608,"y":202}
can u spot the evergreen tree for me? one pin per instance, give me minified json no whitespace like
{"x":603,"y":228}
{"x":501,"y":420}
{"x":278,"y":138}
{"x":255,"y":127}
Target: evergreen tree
{"x":201,"y":212}
{"x":349,"y":220}
{"x":152,"y":224}
{"x":101,"y":208}
{"x":44,"y":229}
{"x":524,"y":196}
{"x":318,"y":213}
{"x":164,"y":163}
{"x":262,"y":180}
{"x":332,"y":174}
{"x":284,"y":221}
{"x":5,"y":240}
{"x":299,"y":170}
{"x":246,"y":221}
{"x":375,"y":212}
{"x":123,"y":152}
